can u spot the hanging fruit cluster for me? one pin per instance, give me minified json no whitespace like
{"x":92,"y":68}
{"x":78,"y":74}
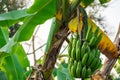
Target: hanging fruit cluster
{"x":84,"y":56}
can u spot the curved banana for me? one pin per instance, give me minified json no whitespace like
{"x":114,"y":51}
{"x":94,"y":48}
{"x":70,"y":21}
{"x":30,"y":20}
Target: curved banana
{"x":83,"y":72}
{"x":79,"y":69}
{"x":84,"y":59}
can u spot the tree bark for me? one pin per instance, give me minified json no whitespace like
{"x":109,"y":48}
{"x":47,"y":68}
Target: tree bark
{"x":51,"y":56}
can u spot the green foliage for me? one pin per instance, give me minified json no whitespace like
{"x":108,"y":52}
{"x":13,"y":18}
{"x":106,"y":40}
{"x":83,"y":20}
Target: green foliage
{"x":31,"y":22}
{"x":3,"y":76}
{"x":42,"y":4}
{"x":50,"y":36}
{"x":13,"y":58}
{"x":104,"y":1}
{"x":15,"y":64}
{"x":12,"y":17}
{"x":87,"y":2}
{"x":3,"y":36}
{"x":11,"y":65}
{"x":62,"y":72}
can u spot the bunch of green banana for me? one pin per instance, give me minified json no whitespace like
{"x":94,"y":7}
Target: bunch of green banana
{"x":93,"y":37}
{"x":84,"y":57}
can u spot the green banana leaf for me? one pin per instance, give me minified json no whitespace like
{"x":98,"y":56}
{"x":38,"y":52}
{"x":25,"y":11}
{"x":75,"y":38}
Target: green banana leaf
{"x":12,"y":17}
{"x":15,"y":64}
{"x":4,"y":37}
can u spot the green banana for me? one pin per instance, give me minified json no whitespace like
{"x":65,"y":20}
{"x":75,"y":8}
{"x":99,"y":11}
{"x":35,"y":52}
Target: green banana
{"x":77,"y":35}
{"x":78,"y":54}
{"x":96,"y":31}
{"x":74,"y":68}
{"x":71,"y":39}
{"x":79,"y":69}
{"x":82,"y":56}
{"x":89,"y":33}
{"x":88,"y":72}
{"x":84,"y":59}
{"x":69,"y":49}
{"x":94,"y":62}
{"x":97,"y":53}
{"x":71,"y":60}
{"x":69,"y":67}
{"x":92,"y":41}
{"x":90,"y":59}
{"x":87,"y":49}
{"x":93,"y":52}
{"x":98,"y":39}
{"x":83,"y":49}
{"x":98,"y":64}
{"x":83,"y":72}
{"x":78,"y":49}
{"x":74,"y":42}
{"x":72,"y":71}
{"x":73,"y":53}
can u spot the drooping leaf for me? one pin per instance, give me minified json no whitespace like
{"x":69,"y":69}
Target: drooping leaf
{"x":50,"y":36}
{"x":4,"y":37}
{"x":26,"y":30}
{"x":12,"y":17}
{"x":87,"y":2}
{"x":104,"y":1}
{"x":51,"y":39}
{"x":106,"y":46}
{"x":43,"y":14}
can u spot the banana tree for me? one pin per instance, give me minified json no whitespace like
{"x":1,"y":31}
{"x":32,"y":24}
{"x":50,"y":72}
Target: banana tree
{"x":69,"y":17}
